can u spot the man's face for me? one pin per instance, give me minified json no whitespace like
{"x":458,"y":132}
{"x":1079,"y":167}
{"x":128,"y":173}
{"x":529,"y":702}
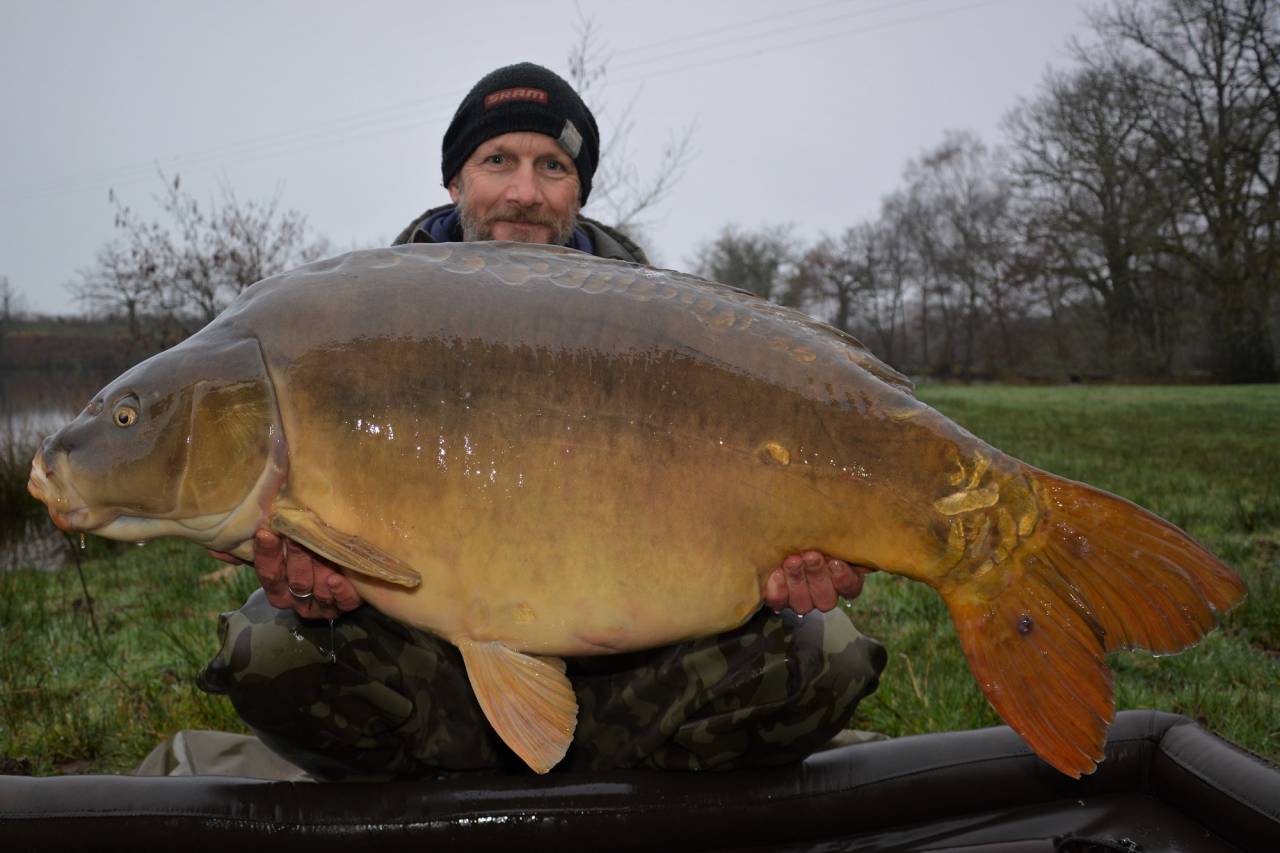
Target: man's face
{"x":517,"y":186}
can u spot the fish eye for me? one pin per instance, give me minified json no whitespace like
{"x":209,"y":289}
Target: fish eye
{"x":124,"y":415}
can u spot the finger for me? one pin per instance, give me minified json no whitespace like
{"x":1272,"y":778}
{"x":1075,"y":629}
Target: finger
{"x":797,"y":587}
{"x":818,"y":578}
{"x":225,"y":557}
{"x":300,"y":571}
{"x":345,"y":597}
{"x":268,"y":563}
{"x":846,"y":581}
{"x":775,"y":590}
{"x":322,"y":594}
{"x":858,"y":575}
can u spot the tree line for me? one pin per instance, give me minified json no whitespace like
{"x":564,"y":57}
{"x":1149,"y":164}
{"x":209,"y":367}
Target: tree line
{"x":1127,"y":225}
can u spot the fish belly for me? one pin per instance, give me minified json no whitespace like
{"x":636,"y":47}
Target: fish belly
{"x":557,"y":552}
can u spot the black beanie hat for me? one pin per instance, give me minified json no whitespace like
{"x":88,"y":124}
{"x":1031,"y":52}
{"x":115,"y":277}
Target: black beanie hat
{"x":524,"y":97}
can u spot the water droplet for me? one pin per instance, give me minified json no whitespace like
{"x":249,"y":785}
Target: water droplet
{"x":82,"y":545}
{"x":1025,"y":624}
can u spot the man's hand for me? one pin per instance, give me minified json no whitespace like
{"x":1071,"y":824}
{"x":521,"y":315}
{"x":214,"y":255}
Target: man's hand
{"x":295,"y":578}
{"x":810,"y":580}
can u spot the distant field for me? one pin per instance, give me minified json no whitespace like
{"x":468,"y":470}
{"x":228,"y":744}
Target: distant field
{"x":1207,"y":458}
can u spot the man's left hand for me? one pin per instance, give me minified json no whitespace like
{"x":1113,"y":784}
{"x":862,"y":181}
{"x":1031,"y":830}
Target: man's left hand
{"x":812,"y":581}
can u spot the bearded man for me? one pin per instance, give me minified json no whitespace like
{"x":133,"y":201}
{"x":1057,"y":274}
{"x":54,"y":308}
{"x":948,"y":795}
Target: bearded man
{"x":362,"y":696}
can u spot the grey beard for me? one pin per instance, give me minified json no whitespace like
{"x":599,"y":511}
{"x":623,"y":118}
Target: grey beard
{"x":475,"y":228}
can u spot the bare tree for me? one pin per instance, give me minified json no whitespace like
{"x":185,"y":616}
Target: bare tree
{"x":761,"y":261}
{"x":956,"y":217}
{"x":170,"y":277}
{"x":1087,"y":179}
{"x":12,"y":303}
{"x":892,"y":273}
{"x":8,"y":301}
{"x":625,"y":197}
{"x":120,"y":283}
{"x":857,"y":282}
{"x":829,"y":278}
{"x":1208,"y":82}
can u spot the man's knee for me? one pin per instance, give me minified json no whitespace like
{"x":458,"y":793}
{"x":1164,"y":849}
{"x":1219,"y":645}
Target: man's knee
{"x":829,"y":668}
{"x":363,"y":697}
{"x":838,"y":665}
{"x":280,"y":671}
{"x":257,"y":644}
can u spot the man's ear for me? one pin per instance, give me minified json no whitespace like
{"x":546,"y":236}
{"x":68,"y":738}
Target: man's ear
{"x":453,"y":190}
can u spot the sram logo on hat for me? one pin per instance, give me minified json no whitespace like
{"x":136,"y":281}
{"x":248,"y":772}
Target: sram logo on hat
{"x":518,"y":93}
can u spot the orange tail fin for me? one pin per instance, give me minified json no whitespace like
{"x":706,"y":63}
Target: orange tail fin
{"x":1098,"y":574}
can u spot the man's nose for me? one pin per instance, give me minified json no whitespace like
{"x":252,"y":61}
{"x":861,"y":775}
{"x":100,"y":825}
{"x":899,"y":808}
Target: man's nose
{"x":523,"y":189}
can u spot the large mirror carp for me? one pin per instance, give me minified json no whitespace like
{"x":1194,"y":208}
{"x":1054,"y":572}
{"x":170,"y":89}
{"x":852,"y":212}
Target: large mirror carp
{"x":535,"y":453}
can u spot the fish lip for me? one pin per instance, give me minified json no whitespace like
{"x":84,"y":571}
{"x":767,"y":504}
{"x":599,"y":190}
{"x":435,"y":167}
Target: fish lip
{"x":38,"y":480}
{"x":76,"y":517}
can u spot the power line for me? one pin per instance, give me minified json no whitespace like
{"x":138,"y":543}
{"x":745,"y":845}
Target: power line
{"x":146,"y":169}
{"x":828,"y":37}
{"x":724,"y":28}
{"x":857,"y":13}
{"x":368,"y":123}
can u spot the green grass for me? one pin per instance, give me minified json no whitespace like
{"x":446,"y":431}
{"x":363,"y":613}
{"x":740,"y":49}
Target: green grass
{"x":1206,"y":458}
{"x":74,"y":701}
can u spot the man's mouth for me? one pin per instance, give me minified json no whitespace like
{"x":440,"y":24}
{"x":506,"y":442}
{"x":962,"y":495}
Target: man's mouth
{"x":523,"y":223}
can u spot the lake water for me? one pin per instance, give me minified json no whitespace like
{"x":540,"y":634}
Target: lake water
{"x":33,"y":405}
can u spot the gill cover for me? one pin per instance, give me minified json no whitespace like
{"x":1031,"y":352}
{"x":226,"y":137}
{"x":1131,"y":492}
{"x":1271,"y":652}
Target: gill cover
{"x":185,"y":434}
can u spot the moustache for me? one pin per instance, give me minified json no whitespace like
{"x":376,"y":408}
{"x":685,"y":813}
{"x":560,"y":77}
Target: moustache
{"x":522,"y":217}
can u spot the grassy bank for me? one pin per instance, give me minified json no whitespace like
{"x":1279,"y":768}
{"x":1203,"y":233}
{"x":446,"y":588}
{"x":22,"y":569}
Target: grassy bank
{"x":1206,"y":458}
{"x":93,"y":689}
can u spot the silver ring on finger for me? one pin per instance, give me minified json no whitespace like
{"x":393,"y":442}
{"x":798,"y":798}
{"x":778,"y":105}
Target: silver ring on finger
{"x":301,"y":596}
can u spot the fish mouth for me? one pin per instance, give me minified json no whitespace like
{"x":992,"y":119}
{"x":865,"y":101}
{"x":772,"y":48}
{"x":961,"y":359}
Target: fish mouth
{"x":68,"y":510}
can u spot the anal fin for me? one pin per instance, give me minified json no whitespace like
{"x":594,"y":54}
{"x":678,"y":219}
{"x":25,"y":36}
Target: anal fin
{"x":528,"y":700}
{"x":346,"y":549}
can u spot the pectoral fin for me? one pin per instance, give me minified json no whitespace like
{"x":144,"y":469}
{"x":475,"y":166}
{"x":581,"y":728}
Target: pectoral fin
{"x":528,"y":700}
{"x":346,"y":549}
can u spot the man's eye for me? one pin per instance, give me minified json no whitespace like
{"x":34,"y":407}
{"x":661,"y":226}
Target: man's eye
{"x":495,"y":159}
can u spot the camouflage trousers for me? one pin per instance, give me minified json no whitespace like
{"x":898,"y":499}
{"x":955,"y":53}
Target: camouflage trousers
{"x":369,"y":698}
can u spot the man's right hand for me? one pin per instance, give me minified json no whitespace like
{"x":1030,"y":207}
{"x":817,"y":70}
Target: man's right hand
{"x":812,"y":581}
{"x":294,"y":578}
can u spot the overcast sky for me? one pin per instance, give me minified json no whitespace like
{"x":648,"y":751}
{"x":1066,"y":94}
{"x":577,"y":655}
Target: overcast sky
{"x":804,"y":113}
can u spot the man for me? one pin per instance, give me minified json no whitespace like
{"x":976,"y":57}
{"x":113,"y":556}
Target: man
{"x":365,"y":697}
